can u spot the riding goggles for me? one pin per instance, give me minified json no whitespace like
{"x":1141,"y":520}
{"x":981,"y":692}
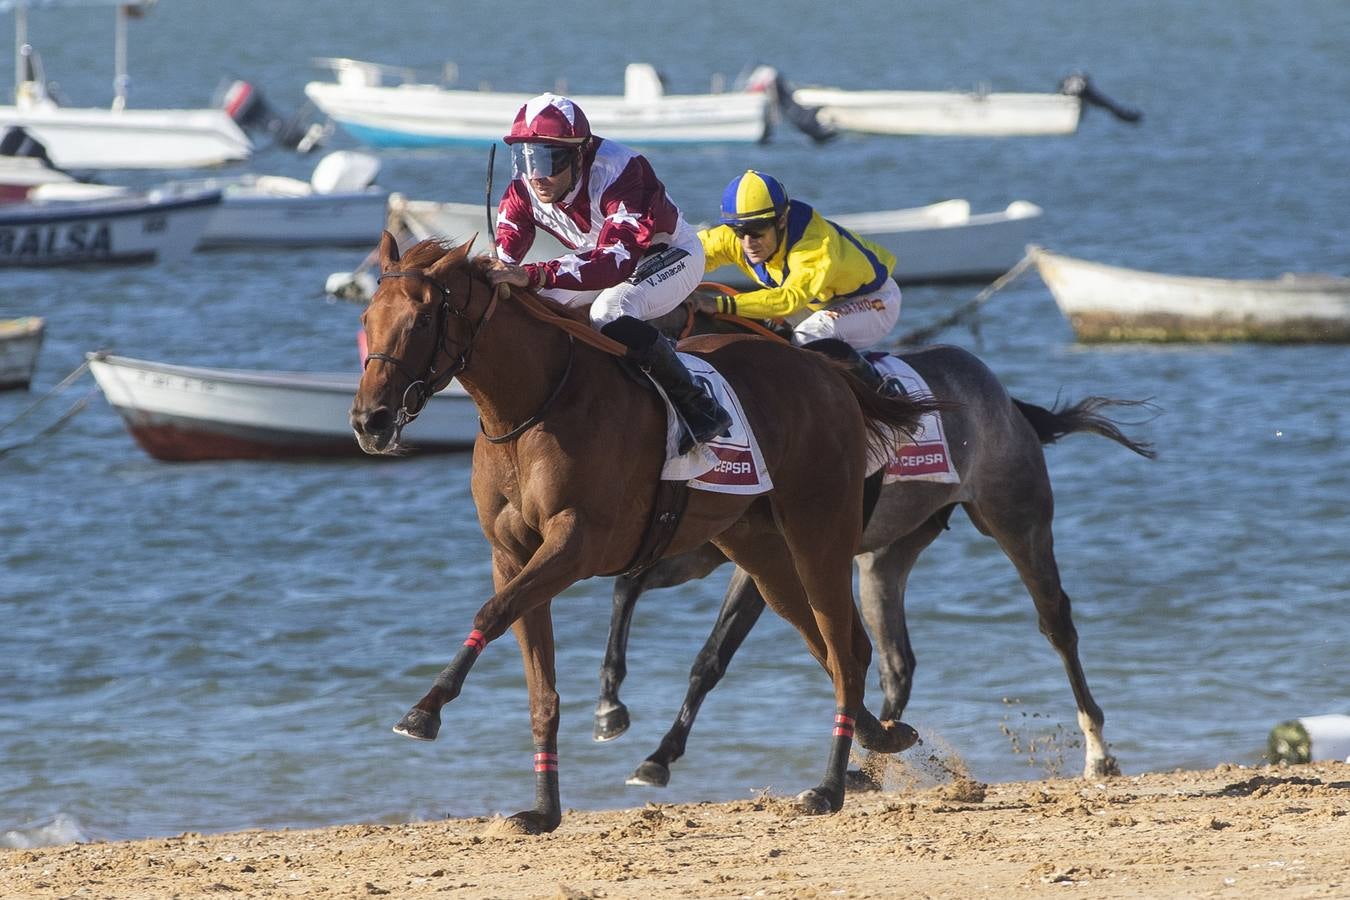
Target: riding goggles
{"x":541,"y":160}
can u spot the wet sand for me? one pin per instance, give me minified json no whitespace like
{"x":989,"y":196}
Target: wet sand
{"x":1233,"y":831}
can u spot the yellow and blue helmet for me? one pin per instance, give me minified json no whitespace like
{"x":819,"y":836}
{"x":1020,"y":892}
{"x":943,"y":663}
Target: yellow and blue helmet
{"x":753,"y":197}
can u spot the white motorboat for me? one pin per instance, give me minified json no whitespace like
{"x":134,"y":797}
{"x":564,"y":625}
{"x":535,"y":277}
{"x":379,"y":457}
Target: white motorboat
{"x":1110,"y":303}
{"x":339,"y":206}
{"x":184,"y":413}
{"x":94,"y":232}
{"x":20,"y":340}
{"x":972,"y":114}
{"x":418,"y":114}
{"x":976,"y":113}
{"x":117,"y":137}
{"x":941,"y":242}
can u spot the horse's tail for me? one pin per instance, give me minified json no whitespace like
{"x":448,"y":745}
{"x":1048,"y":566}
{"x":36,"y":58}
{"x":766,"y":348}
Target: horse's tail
{"x":884,"y":416}
{"x":1085,"y":415}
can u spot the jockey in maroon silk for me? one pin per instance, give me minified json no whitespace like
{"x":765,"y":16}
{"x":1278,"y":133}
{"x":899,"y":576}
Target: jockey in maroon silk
{"x":633,"y":256}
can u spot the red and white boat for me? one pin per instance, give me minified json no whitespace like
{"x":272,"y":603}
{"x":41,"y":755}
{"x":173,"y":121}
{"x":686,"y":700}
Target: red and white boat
{"x":184,"y":413}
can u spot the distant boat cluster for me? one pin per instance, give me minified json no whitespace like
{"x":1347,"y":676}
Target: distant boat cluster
{"x":50,"y":217}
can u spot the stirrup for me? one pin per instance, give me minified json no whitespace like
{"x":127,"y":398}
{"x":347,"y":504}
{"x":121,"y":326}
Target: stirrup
{"x":715,"y":424}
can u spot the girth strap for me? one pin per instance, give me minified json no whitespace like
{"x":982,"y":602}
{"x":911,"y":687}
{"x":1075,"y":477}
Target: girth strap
{"x":667,"y":512}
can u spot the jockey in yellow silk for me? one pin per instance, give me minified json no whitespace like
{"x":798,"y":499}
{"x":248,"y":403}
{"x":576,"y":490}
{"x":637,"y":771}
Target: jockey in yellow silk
{"x":824,"y":280}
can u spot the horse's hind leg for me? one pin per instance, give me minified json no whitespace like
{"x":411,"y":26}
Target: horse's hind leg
{"x":883,"y":576}
{"x":611,"y":715}
{"x":741,"y":608}
{"x":810,"y":584}
{"x":1030,"y":546}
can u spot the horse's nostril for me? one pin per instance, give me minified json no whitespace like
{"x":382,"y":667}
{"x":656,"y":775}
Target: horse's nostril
{"x":376,"y":421}
{"x":379,"y":421}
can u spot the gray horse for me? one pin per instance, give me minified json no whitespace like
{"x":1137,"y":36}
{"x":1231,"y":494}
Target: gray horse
{"x":996,"y":443}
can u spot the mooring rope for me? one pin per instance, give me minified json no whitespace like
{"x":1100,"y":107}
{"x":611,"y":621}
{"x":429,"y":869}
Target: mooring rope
{"x":60,"y":386}
{"x":77,"y":407}
{"x":926,"y":334}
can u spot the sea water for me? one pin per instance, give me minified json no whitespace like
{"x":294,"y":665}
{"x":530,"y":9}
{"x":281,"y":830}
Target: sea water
{"x":213,"y":646}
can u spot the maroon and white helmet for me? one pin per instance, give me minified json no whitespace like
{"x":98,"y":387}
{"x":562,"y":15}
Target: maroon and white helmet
{"x":550,"y":119}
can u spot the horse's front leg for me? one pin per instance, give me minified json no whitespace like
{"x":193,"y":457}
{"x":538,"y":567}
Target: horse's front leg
{"x":559,"y":562}
{"x":534,"y":633}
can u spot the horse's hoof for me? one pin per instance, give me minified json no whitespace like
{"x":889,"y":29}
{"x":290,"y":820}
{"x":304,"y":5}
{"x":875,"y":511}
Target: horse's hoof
{"x":419,"y":725}
{"x":611,"y":723}
{"x":856,"y":781}
{"x":885,"y":737}
{"x":650,"y":774}
{"x":1106,"y":767}
{"x":817,"y":802}
{"x":528,"y":822}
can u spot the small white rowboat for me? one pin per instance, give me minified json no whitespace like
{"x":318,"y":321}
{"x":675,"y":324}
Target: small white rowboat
{"x":1110,"y":303}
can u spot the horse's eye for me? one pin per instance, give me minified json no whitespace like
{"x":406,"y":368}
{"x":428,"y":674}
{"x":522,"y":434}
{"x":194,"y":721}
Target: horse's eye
{"x":422,"y":321}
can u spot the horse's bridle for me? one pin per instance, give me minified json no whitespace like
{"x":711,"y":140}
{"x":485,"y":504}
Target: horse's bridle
{"x":420,"y":388}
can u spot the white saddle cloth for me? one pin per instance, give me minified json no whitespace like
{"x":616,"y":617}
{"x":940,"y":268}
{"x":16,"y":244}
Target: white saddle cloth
{"x":726,"y":465}
{"x":926,"y":457}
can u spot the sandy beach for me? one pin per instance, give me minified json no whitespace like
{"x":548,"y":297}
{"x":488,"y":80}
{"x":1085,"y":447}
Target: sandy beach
{"x":1233,"y":831}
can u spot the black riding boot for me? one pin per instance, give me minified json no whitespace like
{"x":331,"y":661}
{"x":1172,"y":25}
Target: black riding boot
{"x":858,"y":364}
{"x":703,"y":417}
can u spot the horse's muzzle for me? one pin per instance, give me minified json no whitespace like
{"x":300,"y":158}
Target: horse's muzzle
{"x":376,"y":431}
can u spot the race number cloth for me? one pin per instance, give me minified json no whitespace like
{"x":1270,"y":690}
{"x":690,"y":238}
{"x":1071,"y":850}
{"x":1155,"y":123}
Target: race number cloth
{"x":926,"y":457}
{"x":724,"y":465}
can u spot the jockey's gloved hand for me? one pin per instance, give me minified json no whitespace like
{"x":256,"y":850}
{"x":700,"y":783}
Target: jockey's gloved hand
{"x":726,"y":303}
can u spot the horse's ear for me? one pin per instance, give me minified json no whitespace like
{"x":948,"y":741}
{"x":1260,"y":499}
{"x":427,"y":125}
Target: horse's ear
{"x":501,"y":291}
{"x":388,"y":250}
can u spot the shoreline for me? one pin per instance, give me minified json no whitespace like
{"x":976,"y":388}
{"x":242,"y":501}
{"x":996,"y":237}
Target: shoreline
{"x":1273,"y":831}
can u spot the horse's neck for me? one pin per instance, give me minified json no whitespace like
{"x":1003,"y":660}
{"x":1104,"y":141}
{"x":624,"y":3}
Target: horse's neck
{"x":515,"y":366}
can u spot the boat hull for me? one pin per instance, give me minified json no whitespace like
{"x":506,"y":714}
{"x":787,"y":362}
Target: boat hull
{"x":942,"y":242}
{"x":954,"y":113}
{"x":133,"y":138}
{"x":243,"y":221}
{"x":187,"y":413}
{"x":420,"y":115}
{"x":20,"y":341}
{"x":103,"y":232}
{"x":1109,"y":303}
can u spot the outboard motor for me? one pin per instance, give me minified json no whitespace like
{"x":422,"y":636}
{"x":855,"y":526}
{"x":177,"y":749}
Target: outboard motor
{"x":245,"y":104}
{"x":1079,"y":85}
{"x":805,"y":118}
{"x":16,"y":141}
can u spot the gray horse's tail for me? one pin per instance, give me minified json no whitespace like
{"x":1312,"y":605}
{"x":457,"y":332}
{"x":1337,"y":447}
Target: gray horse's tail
{"x":1085,"y":415}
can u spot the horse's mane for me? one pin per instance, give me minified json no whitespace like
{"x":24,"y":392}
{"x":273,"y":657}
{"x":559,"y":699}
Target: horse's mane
{"x":483,"y":261}
{"x":424,"y":254}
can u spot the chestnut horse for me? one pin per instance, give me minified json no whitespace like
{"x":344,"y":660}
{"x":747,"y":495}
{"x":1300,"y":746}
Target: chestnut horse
{"x":567,"y":465}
